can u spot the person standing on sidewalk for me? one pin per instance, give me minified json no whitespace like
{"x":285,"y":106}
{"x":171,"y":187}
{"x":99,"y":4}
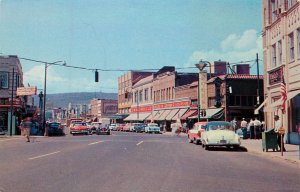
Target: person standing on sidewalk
{"x":26,"y":126}
{"x":278,"y":125}
{"x":244,"y":128}
{"x":257,"y":128}
{"x":251,"y":128}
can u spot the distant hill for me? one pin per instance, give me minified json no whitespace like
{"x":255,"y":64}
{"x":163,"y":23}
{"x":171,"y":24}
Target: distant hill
{"x":63,"y":99}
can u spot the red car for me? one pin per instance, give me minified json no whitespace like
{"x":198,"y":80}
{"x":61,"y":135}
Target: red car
{"x":79,"y":128}
{"x":194,"y":135}
{"x":119,"y":127}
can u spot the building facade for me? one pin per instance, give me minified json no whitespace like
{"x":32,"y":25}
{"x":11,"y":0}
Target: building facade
{"x":125,"y":83}
{"x":281,"y":52}
{"x":103,"y":108}
{"x":11,"y":77}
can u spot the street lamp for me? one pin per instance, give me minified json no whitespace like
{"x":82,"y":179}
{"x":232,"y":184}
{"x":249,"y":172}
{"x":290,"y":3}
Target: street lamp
{"x":45,"y":86}
{"x":201,"y":65}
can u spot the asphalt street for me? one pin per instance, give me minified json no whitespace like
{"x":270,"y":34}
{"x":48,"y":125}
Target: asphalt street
{"x":132,"y":162}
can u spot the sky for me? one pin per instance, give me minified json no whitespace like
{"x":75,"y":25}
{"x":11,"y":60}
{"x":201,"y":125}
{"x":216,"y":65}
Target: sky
{"x":123,"y":35}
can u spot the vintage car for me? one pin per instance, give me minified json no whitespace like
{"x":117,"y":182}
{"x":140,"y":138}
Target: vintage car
{"x":55,"y":129}
{"x":79,"y":128}
{"x":126,"y":128}
{"x":194,"y":134}
{"x":94,"y":126}
{"x":112,"y":127}
{"x":103,"y":129}
{"x":219,"y":133}
{"x":140,"y":128}
{"x":119,"y":127}
{"x":134,"y":127}
{"x":152,"y":128}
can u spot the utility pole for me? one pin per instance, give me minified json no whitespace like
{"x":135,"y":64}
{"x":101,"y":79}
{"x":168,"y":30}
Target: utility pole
{"x":258,"y":88}
{"x":11,"y":102}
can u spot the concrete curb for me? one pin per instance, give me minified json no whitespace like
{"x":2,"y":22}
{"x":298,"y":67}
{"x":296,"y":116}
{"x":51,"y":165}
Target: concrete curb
{"x":269,"y":155}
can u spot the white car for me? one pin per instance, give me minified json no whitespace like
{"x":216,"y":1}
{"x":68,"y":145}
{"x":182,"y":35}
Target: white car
{"x":113,"y":127}
{"x":219,"y":133}
{"x":152,"y":128}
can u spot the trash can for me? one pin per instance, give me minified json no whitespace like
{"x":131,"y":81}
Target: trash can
{"x":269,"y":140}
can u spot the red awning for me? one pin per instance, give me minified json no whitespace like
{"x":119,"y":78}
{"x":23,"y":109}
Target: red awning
{"x":191,"y":112}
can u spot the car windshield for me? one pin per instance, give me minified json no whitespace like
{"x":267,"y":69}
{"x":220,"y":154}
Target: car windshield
{"x":218,"y":127}
{"x":80,"y":124}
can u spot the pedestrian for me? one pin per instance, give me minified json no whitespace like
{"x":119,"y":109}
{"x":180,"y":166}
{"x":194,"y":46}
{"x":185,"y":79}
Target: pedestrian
{"x":257,"y":128}
{"x":234,"y":124}
{"x":244,"y":128}
{"x":278,"y":125}
{"x":26,"y":126}
{"x":251,"y":128}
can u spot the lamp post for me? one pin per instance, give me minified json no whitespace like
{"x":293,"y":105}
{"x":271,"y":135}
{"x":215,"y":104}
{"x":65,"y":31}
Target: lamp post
{"x":201,"y":65}
{"x":11,"y":102}
{"x":45,"y":88}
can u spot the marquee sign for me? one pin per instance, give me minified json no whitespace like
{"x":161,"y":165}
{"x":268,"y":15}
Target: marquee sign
{"x":26,"y":91}
{"x":147,"y":108}
{"x":172,"y":105}
{"x":275,"y":76}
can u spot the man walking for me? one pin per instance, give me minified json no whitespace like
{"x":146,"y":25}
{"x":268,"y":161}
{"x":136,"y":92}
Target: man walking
{"x":26,"y":126}
{"x":257,"y":128}
{"x":277,"y":127}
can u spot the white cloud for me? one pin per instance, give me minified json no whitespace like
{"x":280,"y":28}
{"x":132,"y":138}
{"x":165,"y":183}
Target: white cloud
{"x":234,"y":48}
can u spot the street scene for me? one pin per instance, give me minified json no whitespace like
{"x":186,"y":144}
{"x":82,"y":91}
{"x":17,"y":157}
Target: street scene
{"x":140,"y":95}
{"x":137,"y":162}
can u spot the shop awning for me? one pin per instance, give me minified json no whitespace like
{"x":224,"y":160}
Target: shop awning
{"x":164,"y":115}
{"x":191,"y":112}
{"x":210,"y":113}
{"x":273,"y":106}
{"x":292,"y":94}
{"x":179,"y":114}
{"x":152,"y":115}
{"x":260,"y":106}
{"x":172,"y":114}
{"x":158,"y":114}
{"x":136,"y":117}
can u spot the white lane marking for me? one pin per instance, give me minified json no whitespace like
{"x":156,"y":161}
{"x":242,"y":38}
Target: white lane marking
{"x":139,"y":143}
{"x":95,"y":142}
{"x":44,"y":155}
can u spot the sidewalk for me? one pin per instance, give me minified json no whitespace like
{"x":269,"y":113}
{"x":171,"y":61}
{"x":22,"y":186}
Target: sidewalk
{"x":291,"y":155}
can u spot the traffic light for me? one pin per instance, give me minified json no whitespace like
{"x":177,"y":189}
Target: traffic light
{"x":96,"y":76}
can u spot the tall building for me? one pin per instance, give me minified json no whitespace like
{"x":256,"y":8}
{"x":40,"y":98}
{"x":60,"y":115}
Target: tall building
{"x":11,"y":77}
{"x":125,"y":83}
{"x":281,"y":53}
{"x":103,"y":108}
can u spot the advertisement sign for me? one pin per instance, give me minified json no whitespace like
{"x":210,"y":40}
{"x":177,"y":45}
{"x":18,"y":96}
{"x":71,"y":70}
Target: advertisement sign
{"x":26,"y":91}
{"x":147,"y":108}
{"x":173,"y":105}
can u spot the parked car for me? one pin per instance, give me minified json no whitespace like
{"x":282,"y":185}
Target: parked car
{"x":140,"y":128}
{"x":194,"y":134}
{"x":55,"y":129}
{"x":126,"y":127}
{"x":103,"y":130}
{"x":94,"y":126}
{"x":119,"y":127}
{"x":152,"y":128}
{"x":219,"y":133}
{"x":134,"y":126}
{"x":79,"y":128}
{"x":112,"y":127}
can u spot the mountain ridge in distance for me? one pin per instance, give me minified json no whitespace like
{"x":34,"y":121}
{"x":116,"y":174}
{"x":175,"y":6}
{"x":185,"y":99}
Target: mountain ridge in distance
{"x":63,"y":99}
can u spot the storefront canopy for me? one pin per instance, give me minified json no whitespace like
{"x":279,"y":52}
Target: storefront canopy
{"x":210,"y":113}
{"x":179,"y":114}
{"x":256,"y":111}
{"x":152,"y":115}
{"x":273,"y":106}
{"x":191,"y":112}
{"x":292,"y":94}
{"x":137,"y":117}
{"x":163,"y":115}
{"x":172,"y":114}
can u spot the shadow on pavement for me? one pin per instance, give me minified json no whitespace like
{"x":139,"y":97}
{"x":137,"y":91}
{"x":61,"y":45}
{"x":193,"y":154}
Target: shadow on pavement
{"x":240,"y":149}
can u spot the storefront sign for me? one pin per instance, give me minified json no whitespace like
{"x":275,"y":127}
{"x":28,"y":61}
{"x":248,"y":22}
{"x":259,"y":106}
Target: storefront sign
{"x":26,"y":91}
{"x":147,"y":108}
{"x":275,"y":76}
{"x":172,"y":105}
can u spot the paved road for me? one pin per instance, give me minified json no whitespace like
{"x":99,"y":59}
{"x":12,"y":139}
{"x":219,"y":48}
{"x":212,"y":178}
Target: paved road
{"x":133,"y":162}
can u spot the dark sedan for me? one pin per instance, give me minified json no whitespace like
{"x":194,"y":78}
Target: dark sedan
{"x":55,"y":129}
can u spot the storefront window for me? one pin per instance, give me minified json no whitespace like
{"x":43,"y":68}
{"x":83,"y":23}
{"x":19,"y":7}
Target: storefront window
{"x":296,"y":113}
